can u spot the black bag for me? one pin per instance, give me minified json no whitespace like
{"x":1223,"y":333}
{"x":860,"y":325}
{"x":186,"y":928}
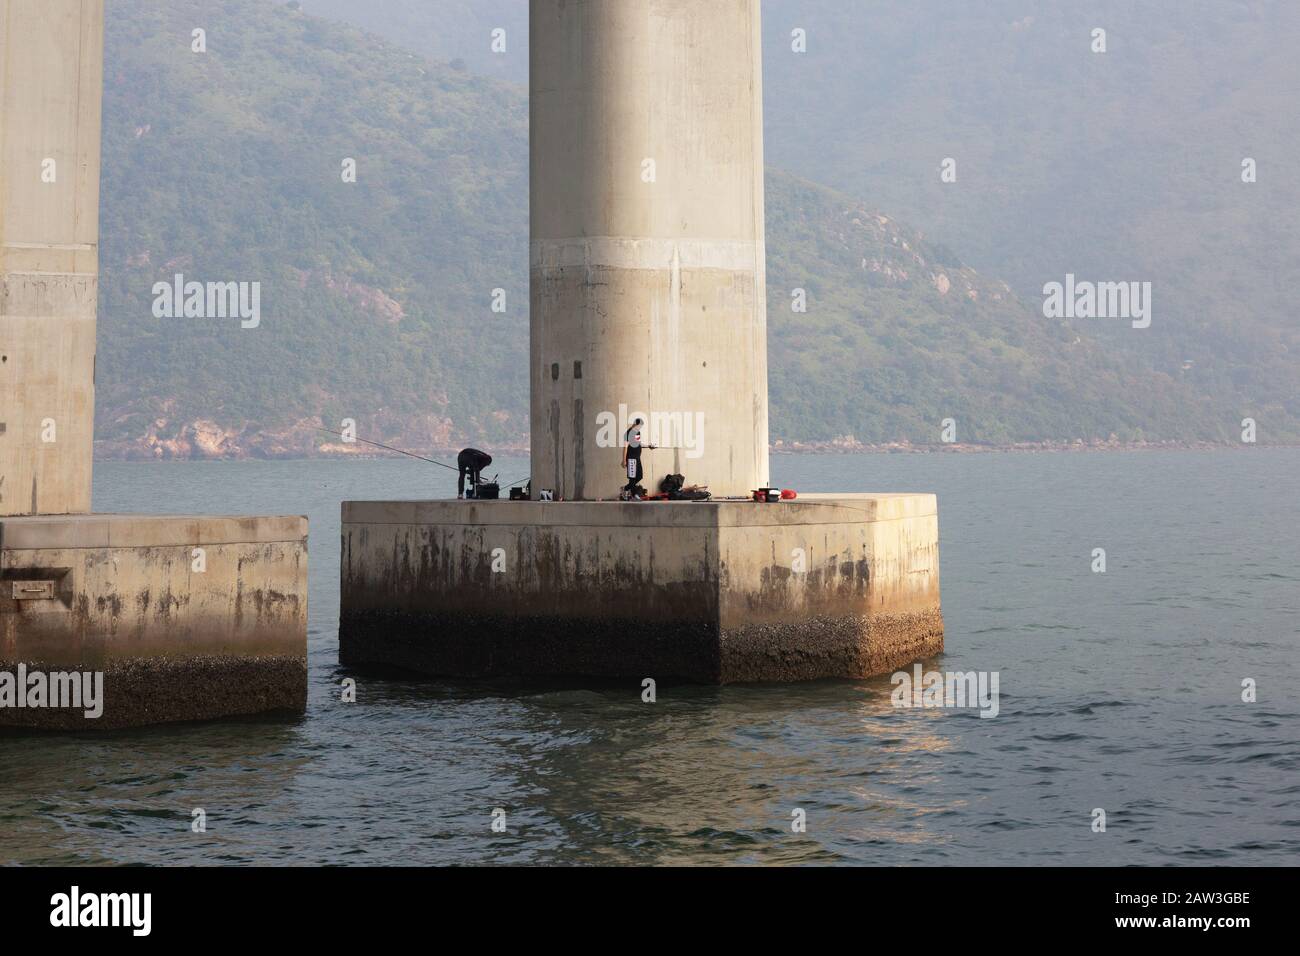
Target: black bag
{"x":697,"y":495}
{"x":672,"y":484}
{"x":488,"y":492}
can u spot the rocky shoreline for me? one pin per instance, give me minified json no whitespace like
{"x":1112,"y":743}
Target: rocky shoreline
{"x":209,"y":445}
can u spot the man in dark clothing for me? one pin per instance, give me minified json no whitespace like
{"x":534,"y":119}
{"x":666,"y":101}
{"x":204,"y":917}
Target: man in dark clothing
{"x":470,"y":462}
{"x":632,"y":458}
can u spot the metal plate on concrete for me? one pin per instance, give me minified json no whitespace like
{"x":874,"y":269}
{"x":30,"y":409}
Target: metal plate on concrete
{"x":33,"y":590}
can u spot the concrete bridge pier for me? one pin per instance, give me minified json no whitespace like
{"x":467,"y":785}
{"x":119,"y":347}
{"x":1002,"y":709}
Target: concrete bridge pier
{"x":648,"y":278}
{"x":181,"y":617}
{"x":648,"y":295}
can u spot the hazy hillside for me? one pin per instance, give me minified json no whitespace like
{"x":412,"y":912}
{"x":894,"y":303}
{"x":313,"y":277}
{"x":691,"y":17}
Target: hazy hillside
{"x":901,"y":335}
{"x":376,"y":295}
{"x":1117,"y":166}
{"x":457,"y":31}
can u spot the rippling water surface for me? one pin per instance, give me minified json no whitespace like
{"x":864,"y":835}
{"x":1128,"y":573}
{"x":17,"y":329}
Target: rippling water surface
{"x":1118,"y":690}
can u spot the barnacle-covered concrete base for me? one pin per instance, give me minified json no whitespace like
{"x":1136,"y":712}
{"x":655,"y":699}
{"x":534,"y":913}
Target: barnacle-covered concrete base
{"x":715,"y":592}
{"x":183,"y":618}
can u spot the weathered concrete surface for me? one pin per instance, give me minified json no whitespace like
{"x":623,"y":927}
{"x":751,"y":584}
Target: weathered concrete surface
{"x":648,"y":287}
{"x":124,"y":594}
{"x":108,"y":593}
{"x":51,"y":78}
{"x":648,"y":299}
{"x":716,"y":592}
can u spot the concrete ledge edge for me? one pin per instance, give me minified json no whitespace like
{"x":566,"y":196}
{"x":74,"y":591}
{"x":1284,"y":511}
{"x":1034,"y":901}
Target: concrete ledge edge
{"x":97,"y":531}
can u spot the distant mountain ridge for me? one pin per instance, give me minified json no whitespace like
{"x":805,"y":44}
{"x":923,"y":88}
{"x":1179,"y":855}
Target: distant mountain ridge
{"x":376,"y":294}
{"x":1125,"y":165}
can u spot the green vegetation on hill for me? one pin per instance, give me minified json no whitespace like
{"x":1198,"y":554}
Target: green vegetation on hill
{"x":376,"y":295}
{"x":900,"y":335}
{"x":458,"y":32}
{"x":1123,"y":165}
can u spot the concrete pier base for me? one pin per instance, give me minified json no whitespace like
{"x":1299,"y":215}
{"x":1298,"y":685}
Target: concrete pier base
{"x":714,"y":592}
{"x":186,"y":618}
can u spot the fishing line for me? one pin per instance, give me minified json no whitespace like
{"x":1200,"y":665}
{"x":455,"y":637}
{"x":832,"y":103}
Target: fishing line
{"x":379,"y":444}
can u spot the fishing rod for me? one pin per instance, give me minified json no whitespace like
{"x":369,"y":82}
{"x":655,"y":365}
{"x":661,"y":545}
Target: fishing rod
{"x":379,"y":444}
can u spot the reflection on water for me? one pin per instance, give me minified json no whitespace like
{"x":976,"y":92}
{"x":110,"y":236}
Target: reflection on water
{"x":1118,"y":691}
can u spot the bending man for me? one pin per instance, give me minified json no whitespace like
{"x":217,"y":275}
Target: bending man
{"x":470,"y":462}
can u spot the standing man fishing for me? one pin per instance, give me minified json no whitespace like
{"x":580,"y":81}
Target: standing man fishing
{"x":470,"y":462}
{"x":632,"y":460}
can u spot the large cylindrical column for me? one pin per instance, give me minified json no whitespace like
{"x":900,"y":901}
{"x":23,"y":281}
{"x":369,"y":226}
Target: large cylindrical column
{"x":51,"y":79}
{"x":648,"y":283}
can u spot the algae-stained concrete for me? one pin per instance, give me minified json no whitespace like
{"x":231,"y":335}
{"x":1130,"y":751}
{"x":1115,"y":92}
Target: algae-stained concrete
{"x":648,"y":299}
{"x":184,"y":618}
{"x":715,"y":592}
{"x":187,"y":617}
